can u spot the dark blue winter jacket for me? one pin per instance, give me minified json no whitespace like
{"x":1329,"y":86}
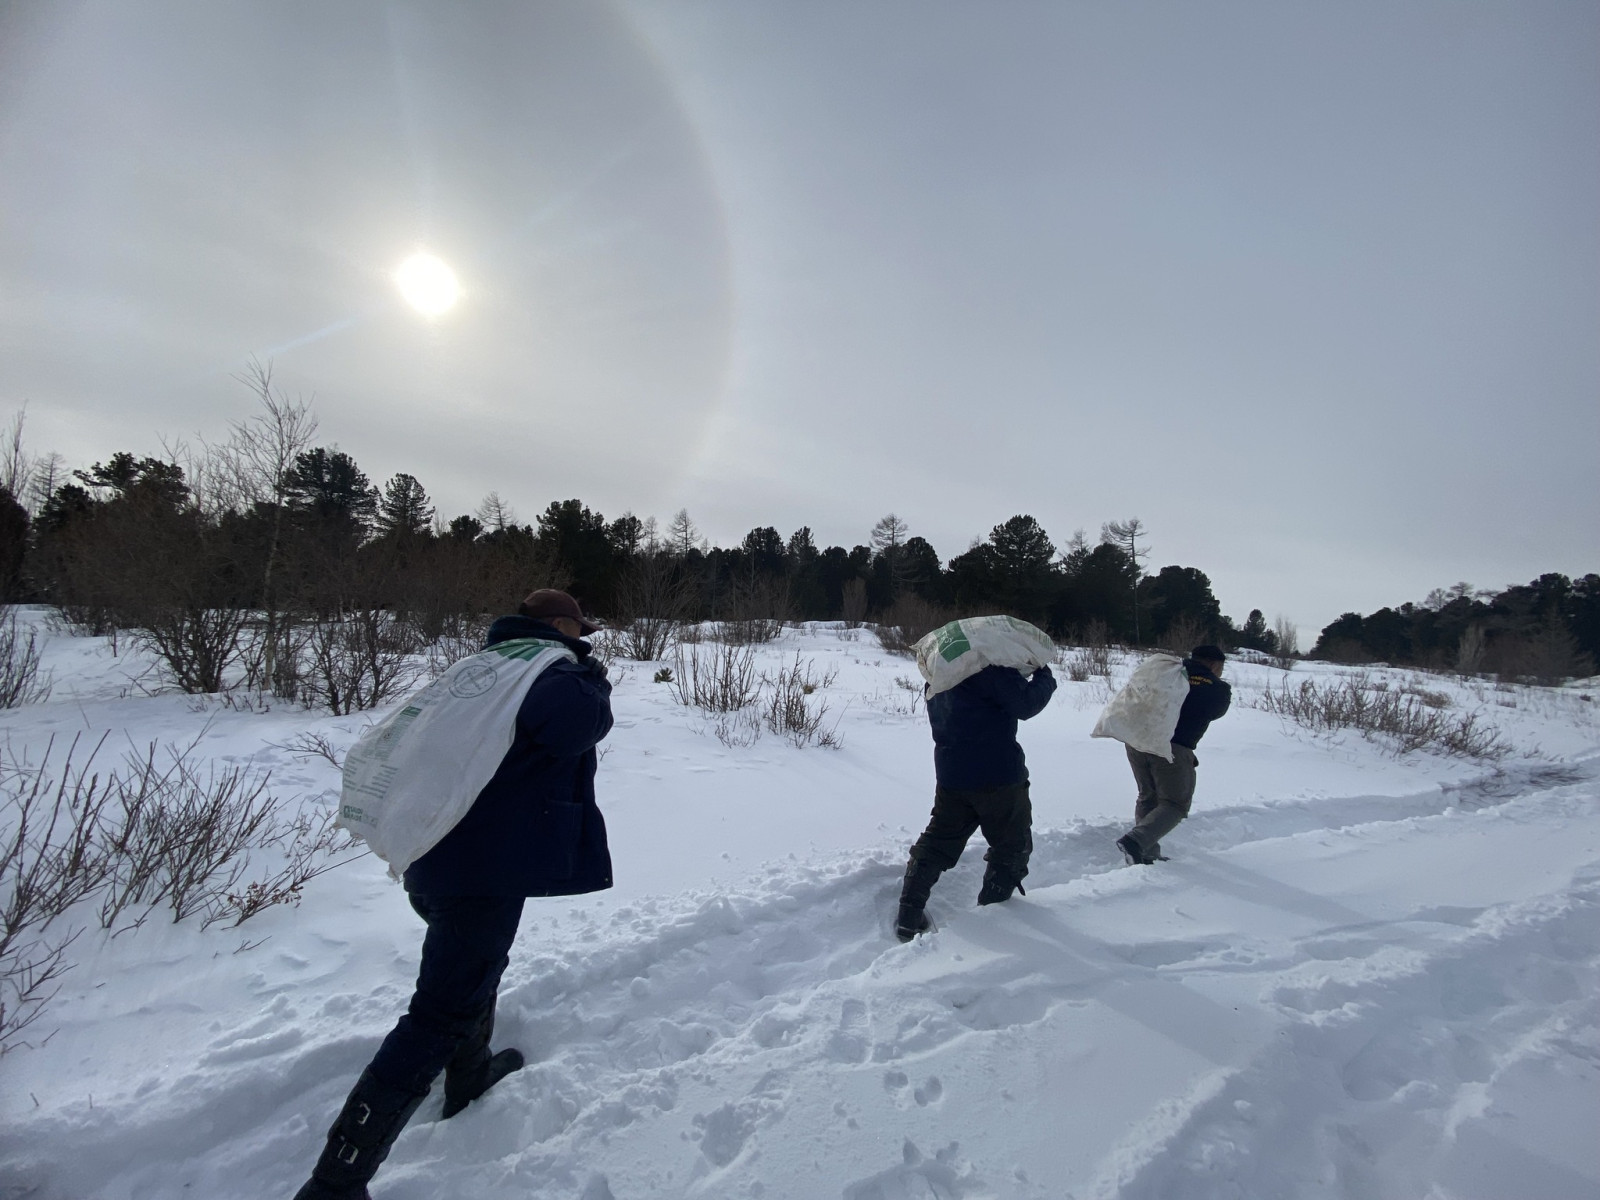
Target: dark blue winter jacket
{"x":534,"y":830}
{"x":975,"y":727}
{"x":1207,"y":700}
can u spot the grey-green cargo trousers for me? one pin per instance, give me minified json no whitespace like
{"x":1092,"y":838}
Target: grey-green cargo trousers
{"x":1166,"y":790}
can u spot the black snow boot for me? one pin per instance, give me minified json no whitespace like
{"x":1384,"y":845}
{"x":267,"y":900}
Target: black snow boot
{"x":999,"y":881}
{"x":921,"y":875}
{"x":1134,"y":852}
{"x":473,"y":1070}
{"x":911,"y":921}
{"x":359,"y":1141}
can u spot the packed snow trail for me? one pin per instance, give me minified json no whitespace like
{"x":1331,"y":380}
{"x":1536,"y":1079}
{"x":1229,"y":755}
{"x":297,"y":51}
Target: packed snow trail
{"x":1338,"y":998}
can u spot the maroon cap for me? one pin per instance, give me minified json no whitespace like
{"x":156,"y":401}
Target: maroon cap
{"x":549,"y":602}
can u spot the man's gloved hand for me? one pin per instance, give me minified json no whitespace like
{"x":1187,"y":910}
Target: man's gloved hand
{"x":596,"y":665}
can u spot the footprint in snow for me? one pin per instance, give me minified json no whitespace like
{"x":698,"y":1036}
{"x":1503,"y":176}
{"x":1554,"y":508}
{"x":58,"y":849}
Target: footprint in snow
{"x":944,"y":1177}
{"x":849,"y":1042}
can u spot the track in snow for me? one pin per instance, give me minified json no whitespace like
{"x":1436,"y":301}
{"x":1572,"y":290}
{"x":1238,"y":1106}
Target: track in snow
{"x":680,"y":1046}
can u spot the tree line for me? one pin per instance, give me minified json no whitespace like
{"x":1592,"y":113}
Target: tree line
{"x":1545,"y":630}
{"x":269,"y":551}
{"x":271,"y":523}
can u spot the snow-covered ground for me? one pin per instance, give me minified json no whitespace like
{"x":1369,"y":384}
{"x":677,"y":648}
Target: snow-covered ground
{"x":1360,"y":975}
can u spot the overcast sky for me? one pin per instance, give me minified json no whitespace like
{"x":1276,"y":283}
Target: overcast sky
{"x":1312,"y":289}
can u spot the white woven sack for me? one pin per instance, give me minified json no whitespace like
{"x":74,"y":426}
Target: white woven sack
{"x":1145,"y":712}
{"x":959,"y":650}
{"x":411,"y":777}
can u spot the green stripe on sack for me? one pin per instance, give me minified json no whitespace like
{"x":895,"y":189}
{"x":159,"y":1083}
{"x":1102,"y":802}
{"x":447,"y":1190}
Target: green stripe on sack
{"x":951,"y":642}
{"x":524,"y":648}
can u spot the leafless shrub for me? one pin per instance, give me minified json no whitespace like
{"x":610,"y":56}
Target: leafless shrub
{"x":1183,"y":635}
{"x":907,"y":621}
{"x":20,"y":679}
{"x":89,"y":619}
{"x":196,"y":645}
{"x":906,"y":700}
{"x":313,"y":845}
{"x":1470,"y":650}
{"x":1410,"y":722}
{"x":181,"y":835}
{"x":1285,"y":644}
{"x":357,"y":661}
{"x":50,"y":859}
{"x":1083,"y":663}
{"x":854,"y":609}
{"x":307,"y":745}
{"x":1433,"y":699}
{"x":279,"y":671}
{"x":462,"y":635}
{"x":29,"y":974}
{"x":653,"y":601}
{"x":1093,"y":632}
{"x":715,"y":676}
{"x":736,"y":730}
{"x":791,"y":710}
{"x":159,"y":829}
{"x":756,"y":613}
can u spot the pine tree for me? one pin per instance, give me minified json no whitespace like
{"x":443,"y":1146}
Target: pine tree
{"x":328,"y":485}
{"x":404,"y":512}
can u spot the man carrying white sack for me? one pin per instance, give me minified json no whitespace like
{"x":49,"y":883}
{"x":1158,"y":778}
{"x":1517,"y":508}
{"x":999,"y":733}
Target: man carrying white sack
{"x":1166,"y":785}
{"x":981,"y":776}
{"x":532,"y":830}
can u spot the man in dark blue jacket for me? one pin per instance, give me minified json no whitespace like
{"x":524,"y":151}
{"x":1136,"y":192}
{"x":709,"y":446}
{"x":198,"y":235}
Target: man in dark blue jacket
{"x":1166,"y":789}
{"x":534,"y":830}
{"x":981,"y":781}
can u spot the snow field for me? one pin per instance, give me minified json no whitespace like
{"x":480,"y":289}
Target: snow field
{"x":1358,"y":977}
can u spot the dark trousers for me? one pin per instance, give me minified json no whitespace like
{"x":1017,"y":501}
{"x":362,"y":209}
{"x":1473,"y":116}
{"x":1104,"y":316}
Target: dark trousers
{"x":464,"y":953}
{"x":1166,"y":790}
{"x":1004,"y":814}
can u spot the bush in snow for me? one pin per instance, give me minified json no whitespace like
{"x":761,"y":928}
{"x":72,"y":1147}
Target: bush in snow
{"x":654,"y":600}
{"x":357,"y":660}
{"x":20,"y":680}
{"x":1412,"y":720}
{"x":718,"y":677}
{"x":791,"y":710}
{"x":157,"y":830}
{"x":907,"y":621}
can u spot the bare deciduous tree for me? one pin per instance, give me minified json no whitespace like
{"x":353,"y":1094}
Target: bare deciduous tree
{"x":1470,"y":650}
{"x":1286,"y":643}
{"x":682,"y":535}
{"x":17,"y":466}
{"x":495,"y":514}
{"x":252,"y":468}
{"x":1126,"y":535}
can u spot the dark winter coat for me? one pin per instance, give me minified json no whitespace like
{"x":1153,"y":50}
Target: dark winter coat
{"x":975,"y":727}
{"x":1207,"y":700}
{"x":534,"y":830}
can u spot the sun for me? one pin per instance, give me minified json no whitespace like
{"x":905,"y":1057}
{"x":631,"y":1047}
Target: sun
{"x":428,"y":285}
